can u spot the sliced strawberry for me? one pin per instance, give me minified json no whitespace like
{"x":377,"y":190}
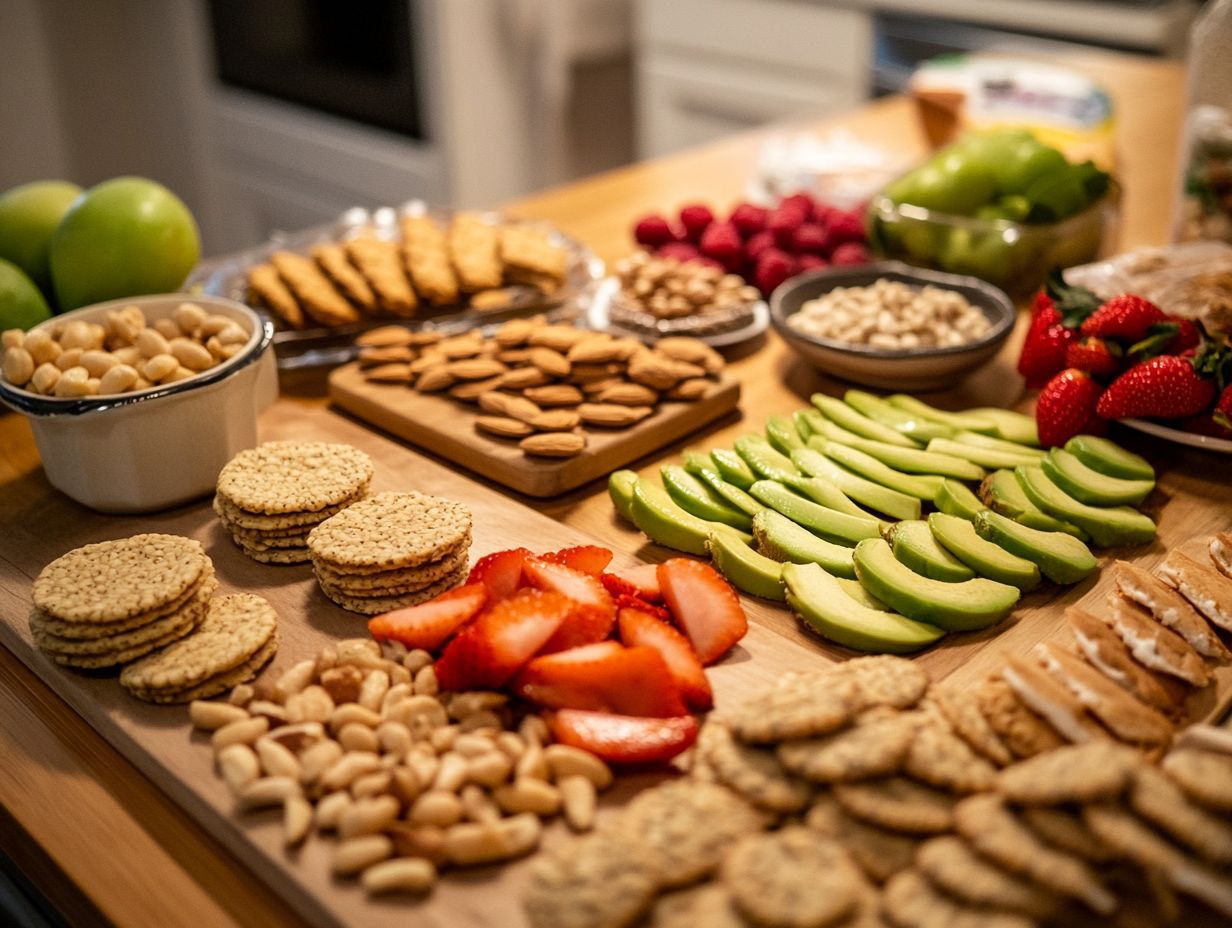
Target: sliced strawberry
{"x":704,"y":606}
{"x":501,"y":639}
{"x":593,"y":614}
{"x":589,"y":559}
{"x":500,"y":572}
{"x":628,"y":601}
{"x":606,"y":677}
{"x":638,"y":628}
{"x":641,"y":581}
{"x":429,"y":624}
{"x":623,"y":739}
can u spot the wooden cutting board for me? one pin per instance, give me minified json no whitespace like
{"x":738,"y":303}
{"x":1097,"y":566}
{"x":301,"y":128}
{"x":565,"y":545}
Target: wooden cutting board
{"x":159,"y":742}
{"x":447,"y":427}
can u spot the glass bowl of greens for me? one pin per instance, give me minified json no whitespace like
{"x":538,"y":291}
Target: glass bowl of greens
{"x":998,"y":205}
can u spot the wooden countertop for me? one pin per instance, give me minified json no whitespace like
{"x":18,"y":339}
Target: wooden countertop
{"x":106,"y":845}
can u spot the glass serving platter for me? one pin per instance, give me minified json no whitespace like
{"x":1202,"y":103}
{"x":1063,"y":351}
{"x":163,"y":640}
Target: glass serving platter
{"x":321,"y":346}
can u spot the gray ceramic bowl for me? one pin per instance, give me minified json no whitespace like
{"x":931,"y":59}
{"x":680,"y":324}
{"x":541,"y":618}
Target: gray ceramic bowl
{"x":895,"y":369}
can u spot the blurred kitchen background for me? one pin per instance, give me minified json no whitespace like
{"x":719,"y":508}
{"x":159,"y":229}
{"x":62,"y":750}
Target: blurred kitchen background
{"x":278,"y":114}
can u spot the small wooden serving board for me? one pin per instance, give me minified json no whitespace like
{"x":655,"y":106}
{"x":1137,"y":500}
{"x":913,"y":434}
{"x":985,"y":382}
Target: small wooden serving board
{"x":446,"y":427}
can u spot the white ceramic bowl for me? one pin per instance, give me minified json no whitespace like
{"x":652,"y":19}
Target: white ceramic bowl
{"x":137,"y":452}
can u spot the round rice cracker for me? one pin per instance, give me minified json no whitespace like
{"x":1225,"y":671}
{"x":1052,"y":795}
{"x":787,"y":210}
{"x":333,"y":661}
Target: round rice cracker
{"x":390,"y":579}
{"x":234,"y":629}
{"x":270,"y":542}
{"x":375,"y":605}
{"x":127,"y":656}
{"x":81,"y":631}
{"x":115,"y":580}
{"x":294,"y":476}
{"x":604,"y":879}
{"x":389,"y":592}
{"x":281,"y":556}
{"x":219,"y":683}
{"x":190,"y":614}
{"x":391,"y":530}
{"x":234,"y":518}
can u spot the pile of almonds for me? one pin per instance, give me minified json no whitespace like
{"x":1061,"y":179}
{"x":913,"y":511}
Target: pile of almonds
{"x":668,"y":288}
{"x":72,"y":358}
{"x":359,"y":742}
{"x":541,"y":384}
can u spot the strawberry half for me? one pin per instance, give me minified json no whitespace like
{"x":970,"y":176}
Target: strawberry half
{"x":1067,"y":407}
{"x":500,"y":572}
{"x":1127,"y":317}
{"x":429,"y":624}
{"x":606,"y":677}
{"x":654,"y":610}
{"x":1166,"y":387}
{"x":638,"y":629}
{"x":498,"y":643}
{"x":704,"y":605}
{"x":589,"y":559}
{"x":593,"y":614}
{"x":641,"y":581}
{"x":623,"y":739}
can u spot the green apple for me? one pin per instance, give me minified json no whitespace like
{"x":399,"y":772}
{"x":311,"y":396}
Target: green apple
{"x":125,"y":237}
{"x":21,"y":303}
{"x":29,"y":215}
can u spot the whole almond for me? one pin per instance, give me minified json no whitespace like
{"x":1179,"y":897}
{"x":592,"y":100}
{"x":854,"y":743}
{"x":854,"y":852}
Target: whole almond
{"x":514,"y":333}
{"x":582,"y":374}
{"x":559,"y":338}
{"x":504,"y":426}
{"x":519,"y":407}
{"x":612,"y":415}
{"x":556,"y":420}
{"x":692,"y":389}
{"x":460,"y":346}
{"x":690,"y":350}
{"x":428,"y":359}
{"x":476,"y":368}
{"x":386,"y":336}
{"x":385,"y":354}
{"x":522,"y":378}
{"x":494,"y":402}
{"x":597,"y":349}
{"x":552,"y":363}
{"x":554,"y":444}
{"x":470,"y":390}
{"x":653,"y":370}
{"x":593,"y":389}
{"x":389,"y":373}
{"x":425,"y":338}
{"x":435,"y":379}
{"x":628,"y":394}
{"x":556,"y":394}
{"x":514,"y":356}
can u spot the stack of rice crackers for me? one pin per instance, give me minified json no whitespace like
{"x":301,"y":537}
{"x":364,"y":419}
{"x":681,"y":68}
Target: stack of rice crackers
{"x":391,"y":550}
{"x":270,"y":497}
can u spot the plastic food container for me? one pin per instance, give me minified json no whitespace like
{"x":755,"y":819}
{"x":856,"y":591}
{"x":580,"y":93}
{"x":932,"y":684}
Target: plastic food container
{"x":1014,"y":256}
{"x":147,"y":450}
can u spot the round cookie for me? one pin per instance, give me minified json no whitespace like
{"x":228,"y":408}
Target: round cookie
{"x":1074,"y":773}
{"x":940,"y":758}
{"x":220,"y":683}
{"x":233,"y":517}
{"x":952,"y":865}
{"x":602,"y":880}
{"x":912,"y":902}
{"x":120,"y":579}
{"x":375,"y":605}
{"x":962,"y":711}
{"x":391,"y":530}
{"x":184,"y":618}
{"x":880,"y":853}
{"x":91,"y":630}
{"x":752,"y":772}
{"x":277,"y":555}
{"x":898,"y":804}
{"x":116,"y":658}
{"x":358,"y":584}
{"x":874,"y":747}
{"x":294,"y":476}
{"x":235,"y":627}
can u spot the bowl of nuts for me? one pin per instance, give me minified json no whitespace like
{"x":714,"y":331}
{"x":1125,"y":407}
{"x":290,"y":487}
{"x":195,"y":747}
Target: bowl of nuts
{"x":890,"y":325}
{"x":137,"y":404}
{"x":653,"y":297}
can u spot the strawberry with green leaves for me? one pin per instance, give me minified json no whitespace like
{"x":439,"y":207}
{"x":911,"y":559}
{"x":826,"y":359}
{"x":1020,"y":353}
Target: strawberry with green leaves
{"x":1056,"y":314}
{"x":1067,"y":407}
{"x":1168,"y":386}
{"x":1126,"y":317}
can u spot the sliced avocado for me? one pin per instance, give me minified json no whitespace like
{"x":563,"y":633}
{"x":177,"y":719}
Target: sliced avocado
{"x":731,"y":494}
{"x":999,"y":444}
{"x":823,"y":604}
{"x":862,"y":490}
{"x":1060,"y":557}
{"x":666,"y":523}
{"x":971,"y":604}
{"x":853,"y":420}
{"x":992,"y":458}
{"x":913,"y":544}
{"x":824,"y":492}
{"x":957,"y":499}
{"x":1012,"y":426}
{"x":1001,"y":492}
{"x":782,"y":434}
{"x":697,"y":461}
{"x":745,"y":568}
{"x":1090,"y":486}
{"x":877,"y":409}
{"x":620,"y":489}
{"x":959,"y":537}
{"x":1108,"y":526}
{"x":920,"y":486}
{"x":828,"y":523}
{"x":1109,"y":458}
{"x":763,"y":460}
{"x":731,"y":467}
{"x":694,"y":497}
{"x":832,"y":431}
{"x":853,"y":589}
{"x":781,"y":539}
{"x":955,"y":420}
{"x":910,"y":460}
{"x":807,"y":422}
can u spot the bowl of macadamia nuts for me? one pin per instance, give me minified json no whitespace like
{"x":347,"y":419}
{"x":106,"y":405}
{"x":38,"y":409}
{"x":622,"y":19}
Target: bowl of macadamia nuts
{"x":137,"y":404}
{"x":893,"y":326}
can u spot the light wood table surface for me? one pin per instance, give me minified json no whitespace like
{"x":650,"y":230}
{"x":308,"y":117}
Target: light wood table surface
{"x":106,"y":845}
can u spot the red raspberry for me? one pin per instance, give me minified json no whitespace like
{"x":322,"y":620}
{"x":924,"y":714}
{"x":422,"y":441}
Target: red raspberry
{"x":824,"y":213}
{"x":681,"y":251}
{"x":708,"y":262}
{"x":721,"y":241}
{"x":749,"y":219}
{"x":809,"y":238}
{"x":695,"y":219}
{"x":844,"y":227}
{"x":652,"y":231}
{"x":774,"y":268}
{"x":812,"y":262}
{"x":802,"y":202}
{"x":758,"y":244}
{"x":850,"y":254}
{"x":782,"y":223}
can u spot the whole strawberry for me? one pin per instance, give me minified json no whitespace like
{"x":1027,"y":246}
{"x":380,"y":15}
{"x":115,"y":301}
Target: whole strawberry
{"x":1097,"y":356}
{"x":1222,"y":415}
{"x":1066,"y":407}
{"x":1166,"y":387}
{"x":1127,"y":317}
{"x":1044,"y":351}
